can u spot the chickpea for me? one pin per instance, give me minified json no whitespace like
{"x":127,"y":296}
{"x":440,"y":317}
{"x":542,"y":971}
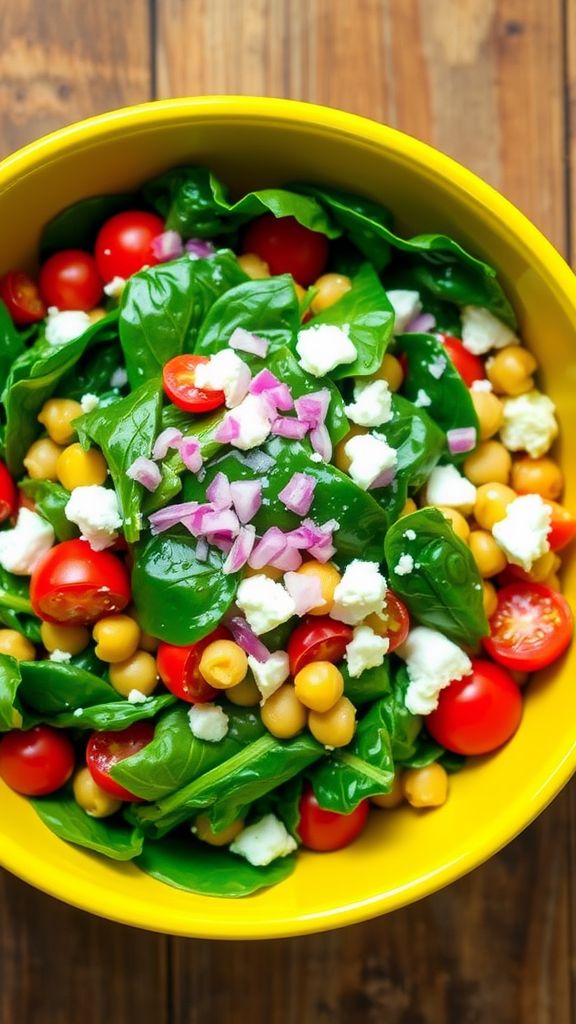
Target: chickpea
{"x":77,"y":468}
{"x":253,"y":266}
{"x":553,"y":581}
{"x":492,"y":500}
{"x":267,"y":570}
{"x":336,"y":727}
{"x":392,"y":799}
{"x":206,"y":833}
{"x":245,"y":694}
{"x":56,"y":415}
{"x":510,"y":370}
{"x":149,"y":643}
{"x":538,"y":476}
{"x":116,"y":637}
{"x":489,"y":598}
{"x":426,"y":787}
{"x":138,"y":672}
{"x":72,"y":639}
{"x":491,"y":462}
{"x":283,"y":714}
{"x":410,"y":506}
{"x":16,"y":645}
{"x":91,"y":798}
{"x":457,"y":521}
{"x":330,"y":288}
{"x":223,"y":664}
{"x":319,"y":685}
{"x":391,"y":371}
{"x":489,"y":558}
{"x":329,"y":578}
{"x":42,"y":459}
{"x":543,"y":567}
{"x":96,"y":314}
{"x":490,"y":412}
{"x":342,"y":460}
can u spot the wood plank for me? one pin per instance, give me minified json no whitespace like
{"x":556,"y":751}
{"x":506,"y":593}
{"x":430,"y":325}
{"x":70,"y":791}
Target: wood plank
{"x":570,"y":121}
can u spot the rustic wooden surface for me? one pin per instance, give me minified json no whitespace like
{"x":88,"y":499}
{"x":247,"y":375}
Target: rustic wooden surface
{"x":492,"y":82}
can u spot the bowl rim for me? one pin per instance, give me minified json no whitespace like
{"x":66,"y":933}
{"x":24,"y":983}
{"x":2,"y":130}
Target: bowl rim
{"x":28,"y":865}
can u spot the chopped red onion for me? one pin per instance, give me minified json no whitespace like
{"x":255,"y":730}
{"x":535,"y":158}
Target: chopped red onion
{"x":313,"y":408}
{"x":167,"y":246}
{"x":169,"y":438}
{"x":171,"y":515}
{"x":244,"y":341}
{"x":384,"y":479}
{"x":290,"y":559}
{"x":247,"y":639}
{"x":323,"y":551}
{"x":202,"y":549}
{"x":240,"y":550}
{"x":305,"y":591}
{"x":298,"y":493}
{"x":263,"y":381}
{"x":218,"y":492}
{"x":221,"y":541}
{"x":145,"y":472}
{"x":195,"y":520}
{"x":229,"y":430}
{"x":282,"y":397}
{"x":191,"y":454}
{"x":421,"y":324}
{"x":321,"y":442}
{"x":219,"y":521}
{"x":199,"y":248}
{"x":461,"y":440}
{"x":284,"y":426}
{"x":246,"y":497}
{"x":271,"y":544}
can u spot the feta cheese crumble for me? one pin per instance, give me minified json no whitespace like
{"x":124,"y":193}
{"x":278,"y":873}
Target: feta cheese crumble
{"x":119,"y":378}
{"x":264,"y":841}
{"x":523,"y":533}
{"x":432,"y":662}
{"x":269,"y":675}
{"x":137,"y":697}
{"x":446,"y":486}
{"x":529,"y":424}
{"x":481,"y":331}
{"x":365,"y":650}
{"x":404,"y":566}
{"x":94,"y":510}
{"x":65,"y":325}
{"x":409,"y":534}
{"x":226,"y":372}
{"x":265,"y":604}
{"x":406,"y":305}
{"x":89,"y":402}
{"x":253,"y":423}
{"x":115,"y":287}
{"x":360,"y":592}
{"x":316,"y":457}
{"x":372,"y":405}
{"x":422,"y":399}
{"x":208,"y":722}
{"x":22,"y":547}
{"x":60,"y":657}
{"x":323,"y":347}
{"x":370,"y":455}
{"x":437,"y":366}
{"x":482,"y":385}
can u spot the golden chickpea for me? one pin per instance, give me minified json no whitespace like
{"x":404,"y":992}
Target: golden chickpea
{"x":16,"y":645}
{"x":426,"y":787}
{"x":489,"y":598}
{"x":96,"y":314}
{"x":391,"y":371}
{"x":492,"y":500}
{"x":253,"y":266}
{"x":328,"y":577}
{"x":42,"y":459}
{"x":319,"y":685}
{"x":538,"y":476}
{"x":456,"y":520}
{"x":553,"y":581}
{"x":330,"y":288}
{"x":392,"y":799}
{"x":410,"y":506}
{"x":543,"y":567}
{"x":91,"y":798}
{"x":267,"y":570}
{"x":56,"y":415}
{"x":489,"y":558}
{"x":491,"y":462}
{"x":72,"y":639}
{"x":77,"y":468}
{"x":223,"y":664}
{"x":490,"y":412}
{"x":283,"y":714}
{"x":342,"y":460}
{"x":245,"y":694}
{"x":336,"y":727}
{"x":204,"y":831}
{"x":138,"y":672}
{"x":510,"y":370}
{"x":149,"y":643}
{"x":116,"y":637}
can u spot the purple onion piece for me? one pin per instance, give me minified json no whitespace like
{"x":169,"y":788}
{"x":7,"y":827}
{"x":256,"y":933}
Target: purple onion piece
{"x":247,"y":639}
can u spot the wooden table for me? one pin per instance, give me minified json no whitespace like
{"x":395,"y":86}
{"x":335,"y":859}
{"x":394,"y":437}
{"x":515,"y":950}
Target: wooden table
{"x":492,"y":82}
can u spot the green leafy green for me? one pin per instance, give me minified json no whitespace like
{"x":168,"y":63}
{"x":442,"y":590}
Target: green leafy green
{"x":357,"y":217}
{"x":444,"y":287}
{"x":267,"y":307}
{"x":15,"y":608}
{"x":10,"y":679}
{"x":419,"y":444}
{"x":114,"y":716}
{"x":51,"y":500}
{"x":403,"y":727}
{"x":92,"y":374}
{"x":11,"y":342}
{"x":77,"y":226}
{"x":362,"y":769}
{"x":195,"y":867}
{"x":111,"y":837}
{"x":372,"y":684}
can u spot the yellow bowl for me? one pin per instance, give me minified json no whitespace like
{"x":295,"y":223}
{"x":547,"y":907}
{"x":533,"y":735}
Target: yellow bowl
{"x":258,"y":142}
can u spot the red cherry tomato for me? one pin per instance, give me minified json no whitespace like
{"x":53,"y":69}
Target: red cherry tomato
{"x":74,"y":585}
{"x":287,"y":247}
{"x":398,"y":621}
{"x":178,"y":378}
{"x":562,"y":527}
{"x":69,"y":280}
{"x":326,"y":830}
{"x":106,"y":749}
{"x":124,"y":243}
{"x":8,"y":494}
{"x":531,"y":627}
{"x":469,"y":367}
{"x":22,"y":298}
{"x":178,"y":668}
{"x":478,"y":713}
{"x":318,"y":638}
{"x":36,"y":762}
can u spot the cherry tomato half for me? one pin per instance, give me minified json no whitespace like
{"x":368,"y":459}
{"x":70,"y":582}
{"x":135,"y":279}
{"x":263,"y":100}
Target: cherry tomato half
{"x":326,"y":830}
{"x":75,"y":585}
{"x":178,"y":668}
{"x":124,"y":243}
{"x":36,"y":762}
{"x":178,"y":378}
{"x":22,"y":298}
{"x":531,"y":627}
{"x":8,"y":494}
{"x":469,"y":366}
{"x":318,"y":638}
{"x":397,"y":621}
{"x":562,"y":526}
{"x":478,"y":713}
{"x":287,"y":247}
{"x":106,"y":749}
{"x":69,"y":280}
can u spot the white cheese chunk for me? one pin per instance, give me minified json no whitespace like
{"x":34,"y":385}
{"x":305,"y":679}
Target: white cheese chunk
{"x":264,"y":841}
{"x":404,"y":565}
{"x":208,"y":722}
{"x":406,"y":305}
{"x":89,"y":402}
{"x":372,"y":405}
{"x":360,"y":592}
{"x":432,"y":662}
{"x":94,"y":510}
{"x":481,"y":331}
{"x":269,"y":675}
{"x":22,"y":547}
{"x":365,"y":650}
{"x":60,"y":657}
{"x":253,"y":423}
{"x":523,"y":533}
{"x":265,"y":604}
{"x":529,"y":424}
{"x":226,"y":372}
{"x":323,"y":347}
{"x":65,"y":325}
{"x":482,"y":384}
{"x":137,"y":697}
{"x":119,"y":378}
{"x":115,"y":287}
{"x":422,"y":400}
{"x":446,"y":486}
{"x":370,"y":455}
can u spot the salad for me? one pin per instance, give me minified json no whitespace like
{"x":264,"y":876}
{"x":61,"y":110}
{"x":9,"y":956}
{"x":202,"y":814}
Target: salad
{"x":280,"y":528}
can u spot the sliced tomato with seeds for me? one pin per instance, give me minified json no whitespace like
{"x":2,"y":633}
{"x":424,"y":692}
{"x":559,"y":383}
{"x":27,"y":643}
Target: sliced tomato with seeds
{"x":178,"y":377}
{"x":76,"y":586}
{"x":22,"y":298}
{"x":318,"y":638}
{"x":531,"y":627}
{"x":106,"y":749}
{"x":179,"y":668}
{"x":395,"y":624}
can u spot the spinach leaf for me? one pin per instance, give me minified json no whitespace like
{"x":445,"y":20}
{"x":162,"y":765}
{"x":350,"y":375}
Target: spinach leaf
{"x":446,"y":285}
{"x":419,"y":444}
{"x":427,"y":751}
{"x":162,"y":308}
{"x":269,"y":308}
{"x":372,"y":684}
{"x":111,"y":837}
{"x":77,"y":226}
{"x":10,"y":679}
{"x":196,"y":867}
{"x":15,"y":608}
{"x":92,"y":375}
{"x":50,"y":688}
{"x":284,"y":365}
{"x":284,"y":802}
{"x":362,"y":769}
{"x":114,"y":716}
{"x":178,"y":598}
{"x":355,"y":215}
{"x":444,"y":591}
{"x":51,"y":500}
{"x":403,"y":727}
{"x":11,"y":342}
{"x":124,"y":431}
